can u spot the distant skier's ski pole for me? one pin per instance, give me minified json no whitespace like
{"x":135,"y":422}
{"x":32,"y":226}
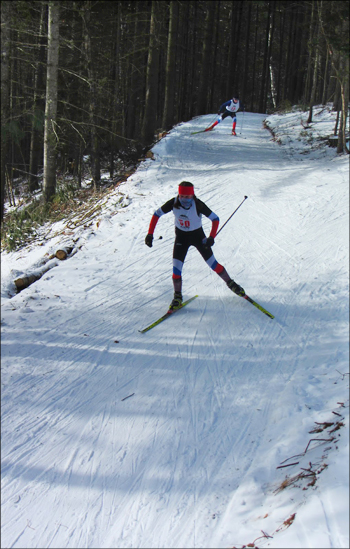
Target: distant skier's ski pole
{"x":211,"y":123}
{"x":242,"y":122}
{"x":245,"y":198}
{"x":203,"y":131}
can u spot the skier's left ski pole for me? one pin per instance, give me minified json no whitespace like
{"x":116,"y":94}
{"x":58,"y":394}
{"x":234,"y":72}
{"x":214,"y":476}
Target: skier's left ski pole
{"x":245,"y":198}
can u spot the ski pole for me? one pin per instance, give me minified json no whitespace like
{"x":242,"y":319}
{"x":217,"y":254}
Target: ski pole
{"x":242,"y":121}
{"x":212,"y":122}
{"x":231,"y":215}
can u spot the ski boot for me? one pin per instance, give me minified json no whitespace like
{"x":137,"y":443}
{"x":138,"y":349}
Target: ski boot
{"x":236,"y":288}
{"x":233,"y":132}
{"x":176,"y":302}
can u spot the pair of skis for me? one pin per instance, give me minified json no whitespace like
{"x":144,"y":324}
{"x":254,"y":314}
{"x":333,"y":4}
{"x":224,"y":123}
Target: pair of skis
{"x":206,"y":130}
{"x":200,"y":131}
{"x":170,"y":312}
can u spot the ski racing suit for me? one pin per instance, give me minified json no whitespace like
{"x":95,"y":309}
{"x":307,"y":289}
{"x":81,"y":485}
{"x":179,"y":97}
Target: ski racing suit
{"x":189,"y":232}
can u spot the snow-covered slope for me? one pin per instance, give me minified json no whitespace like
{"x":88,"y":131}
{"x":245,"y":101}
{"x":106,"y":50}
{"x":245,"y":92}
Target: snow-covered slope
{"x":222,"y":400}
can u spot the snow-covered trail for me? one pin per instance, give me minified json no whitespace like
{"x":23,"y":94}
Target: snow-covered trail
{"x":218,"y":395}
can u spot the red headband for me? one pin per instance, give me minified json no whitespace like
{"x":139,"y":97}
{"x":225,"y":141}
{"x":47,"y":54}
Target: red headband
{"x":186,"y":190}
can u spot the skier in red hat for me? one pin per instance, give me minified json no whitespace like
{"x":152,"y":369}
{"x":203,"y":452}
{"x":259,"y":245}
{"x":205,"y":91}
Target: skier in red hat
{"x":188,"y":210}
{"x":228,"y":109}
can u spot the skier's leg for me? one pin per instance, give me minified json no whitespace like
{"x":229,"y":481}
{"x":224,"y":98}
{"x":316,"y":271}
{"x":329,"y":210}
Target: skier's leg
{"x":215,"y":124}
{"x":208,"y":256}
{"x":234,"y":125}
{"x":218,"y":268}
{"x":177,"y":275}
{"x":179,"y":253}
{"x":221,"y":271}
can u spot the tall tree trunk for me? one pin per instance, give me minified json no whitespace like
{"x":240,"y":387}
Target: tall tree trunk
{"x":49,"y":187}
{"x":344,"y":91}
{"x":315,"y":73}
{"x":280,"y":56}
{"x":95,"y":145}
{"x":262,"y":101}
{"x":135,"y":81}
{"x":309,"y":63}
{"x":314,"y":84}
{"x":184,"y":63}
{"x":231,"y":51}
{"x":150,"y":115}
{"x":115,"y":75}
{"x":246,"y":56}
{"x":299,"y":62}
{"x":204,"y":84}
{"x":215,"y":47}
{"x":168,"y":113}
{"x":252,"y":104}
{"x":189,"y":61}
{"x":269,"y":65}
{"x":325,"y":80}
{"x":5,"y":97}
{"x":38,"y":107}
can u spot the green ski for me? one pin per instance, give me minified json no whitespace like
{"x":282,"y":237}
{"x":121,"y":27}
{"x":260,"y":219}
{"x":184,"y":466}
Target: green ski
{"x":201,"y":131}
{"x":167,"y":315}
{"x":257,"y":305}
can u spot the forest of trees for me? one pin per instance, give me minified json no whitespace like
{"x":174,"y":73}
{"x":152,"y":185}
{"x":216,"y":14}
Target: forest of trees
{"x":104,"y":78}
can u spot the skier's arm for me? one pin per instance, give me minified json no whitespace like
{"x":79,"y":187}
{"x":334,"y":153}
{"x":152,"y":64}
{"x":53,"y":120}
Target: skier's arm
{"x":223,"y":107}
{"x":203,"y":208}
{"x":166,"y":208}
{"x":214,"y":224}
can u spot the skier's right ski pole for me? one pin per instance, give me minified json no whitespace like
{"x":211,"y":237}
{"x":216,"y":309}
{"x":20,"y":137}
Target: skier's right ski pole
{"x":212,"y":122}
{"x":245,"y":198}
{"x":242,"y":122}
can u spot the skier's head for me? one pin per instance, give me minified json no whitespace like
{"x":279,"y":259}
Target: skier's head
{"x":186,"y":194}
{"x":235,"y":98}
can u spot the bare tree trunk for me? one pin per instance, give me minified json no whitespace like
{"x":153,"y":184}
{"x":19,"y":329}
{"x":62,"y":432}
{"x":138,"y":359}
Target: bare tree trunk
{"x":246,"y":56}
{"x":231,"y":52}
{"x":5,"y":98}
{"x":325,"y":80}
{"x":252,"y":104}
{"x":269,"y":66}
{"x":49,"y":187}
{"x":313,"y":90}
{"x":314,"y":78}
{"x":344,"y":92}
{"x":205,"y":63}
{"x":38,"y":107}
{"x":262,"y":101}
{"x":95,"y":145}
{"x":151,"y":104}
{"x":211,"y":104}
{"x":168,"y":114}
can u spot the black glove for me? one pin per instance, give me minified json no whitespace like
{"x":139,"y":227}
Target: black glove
{"x":210,"y":241}
{"x":149,"y":240}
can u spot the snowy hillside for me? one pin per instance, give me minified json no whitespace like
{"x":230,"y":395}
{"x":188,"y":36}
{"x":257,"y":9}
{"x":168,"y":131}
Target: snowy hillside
{"x":220,"y":427}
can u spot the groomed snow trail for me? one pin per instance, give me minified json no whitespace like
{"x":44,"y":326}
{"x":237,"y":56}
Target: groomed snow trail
{"x":219,"y":394}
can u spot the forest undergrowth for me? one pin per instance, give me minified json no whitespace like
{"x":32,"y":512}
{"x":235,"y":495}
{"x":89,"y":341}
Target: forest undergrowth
{"x":25,"y":220}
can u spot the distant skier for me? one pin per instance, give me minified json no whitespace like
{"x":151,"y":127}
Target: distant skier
{"x":227,"y":109}
{"x":188,"y":210}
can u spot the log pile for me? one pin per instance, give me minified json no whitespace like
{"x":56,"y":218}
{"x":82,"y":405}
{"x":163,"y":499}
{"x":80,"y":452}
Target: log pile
{"x":48,"y":263}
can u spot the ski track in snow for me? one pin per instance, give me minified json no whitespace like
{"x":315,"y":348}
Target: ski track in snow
{"x":218,"y":395}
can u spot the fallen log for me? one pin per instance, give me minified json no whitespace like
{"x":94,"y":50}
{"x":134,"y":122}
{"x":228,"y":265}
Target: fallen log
{"x":47,"y":263}
{"x":63,"y":252}
{"x":25,"y":281}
